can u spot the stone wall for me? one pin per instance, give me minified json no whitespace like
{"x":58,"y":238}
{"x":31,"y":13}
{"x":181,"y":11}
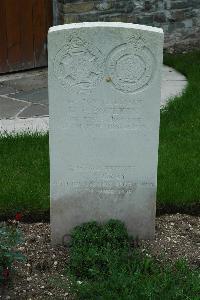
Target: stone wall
{"x":180,"y":19}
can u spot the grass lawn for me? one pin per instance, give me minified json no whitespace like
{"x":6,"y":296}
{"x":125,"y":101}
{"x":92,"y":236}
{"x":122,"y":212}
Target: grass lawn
{"x":103,"y":265}
{"x":179,"y":150}
{"x":24,"y":160}
{"x":24,"y":175}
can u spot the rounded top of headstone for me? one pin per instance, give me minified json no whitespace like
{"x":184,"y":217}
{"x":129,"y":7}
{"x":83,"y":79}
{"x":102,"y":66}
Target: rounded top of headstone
{"x":106,"y":24}
{"x":120,"y":55}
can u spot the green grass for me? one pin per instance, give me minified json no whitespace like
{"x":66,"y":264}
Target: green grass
{"x":103,"y":266}
{"x":24,"y":162}
{"x":24,"y":175}
{"x":179,"y":150}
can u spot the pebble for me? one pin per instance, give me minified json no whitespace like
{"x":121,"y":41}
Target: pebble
{"x":148,"y":255}
{"x":21,"y":248}
{"x":29,"y":279}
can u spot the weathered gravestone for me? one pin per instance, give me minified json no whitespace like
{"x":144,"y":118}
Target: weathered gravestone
{"x":104,"y":93}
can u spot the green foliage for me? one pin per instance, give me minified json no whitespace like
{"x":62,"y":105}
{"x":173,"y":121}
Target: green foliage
{"x":179,"y":159}
{"x":24,"y":180}
{"x":91,"y":246}
{"x":104,"y":266}
{"x":10,"y":237}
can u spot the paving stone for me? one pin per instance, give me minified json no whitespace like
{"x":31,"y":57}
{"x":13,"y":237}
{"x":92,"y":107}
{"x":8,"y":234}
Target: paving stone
{"x":24,"y":125}
{"x":39,"y":96}
{"x":174,"y":88}
{"x":34,"y":110}
{"x":9,"y":108}
{"x":171,"y":74}
{"x":4,"y":90}
{"x":27,"y":81}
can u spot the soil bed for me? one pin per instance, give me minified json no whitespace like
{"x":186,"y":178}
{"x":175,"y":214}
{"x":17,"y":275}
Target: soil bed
{"x":42,"y":276}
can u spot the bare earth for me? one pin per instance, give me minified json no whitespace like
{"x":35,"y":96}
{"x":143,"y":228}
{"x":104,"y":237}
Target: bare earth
{"x":42,"y":276}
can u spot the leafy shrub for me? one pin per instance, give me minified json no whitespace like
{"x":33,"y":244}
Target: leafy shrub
{"x":104,"y":266}
{"x":10,"y":237}
{"x":91,"y":246}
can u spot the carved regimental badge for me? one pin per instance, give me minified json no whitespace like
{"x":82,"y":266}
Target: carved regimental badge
{"x":131,"y":66}
{"x":78,"y":63}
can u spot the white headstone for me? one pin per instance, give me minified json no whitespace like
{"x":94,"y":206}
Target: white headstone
{"x":104,"y":98}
